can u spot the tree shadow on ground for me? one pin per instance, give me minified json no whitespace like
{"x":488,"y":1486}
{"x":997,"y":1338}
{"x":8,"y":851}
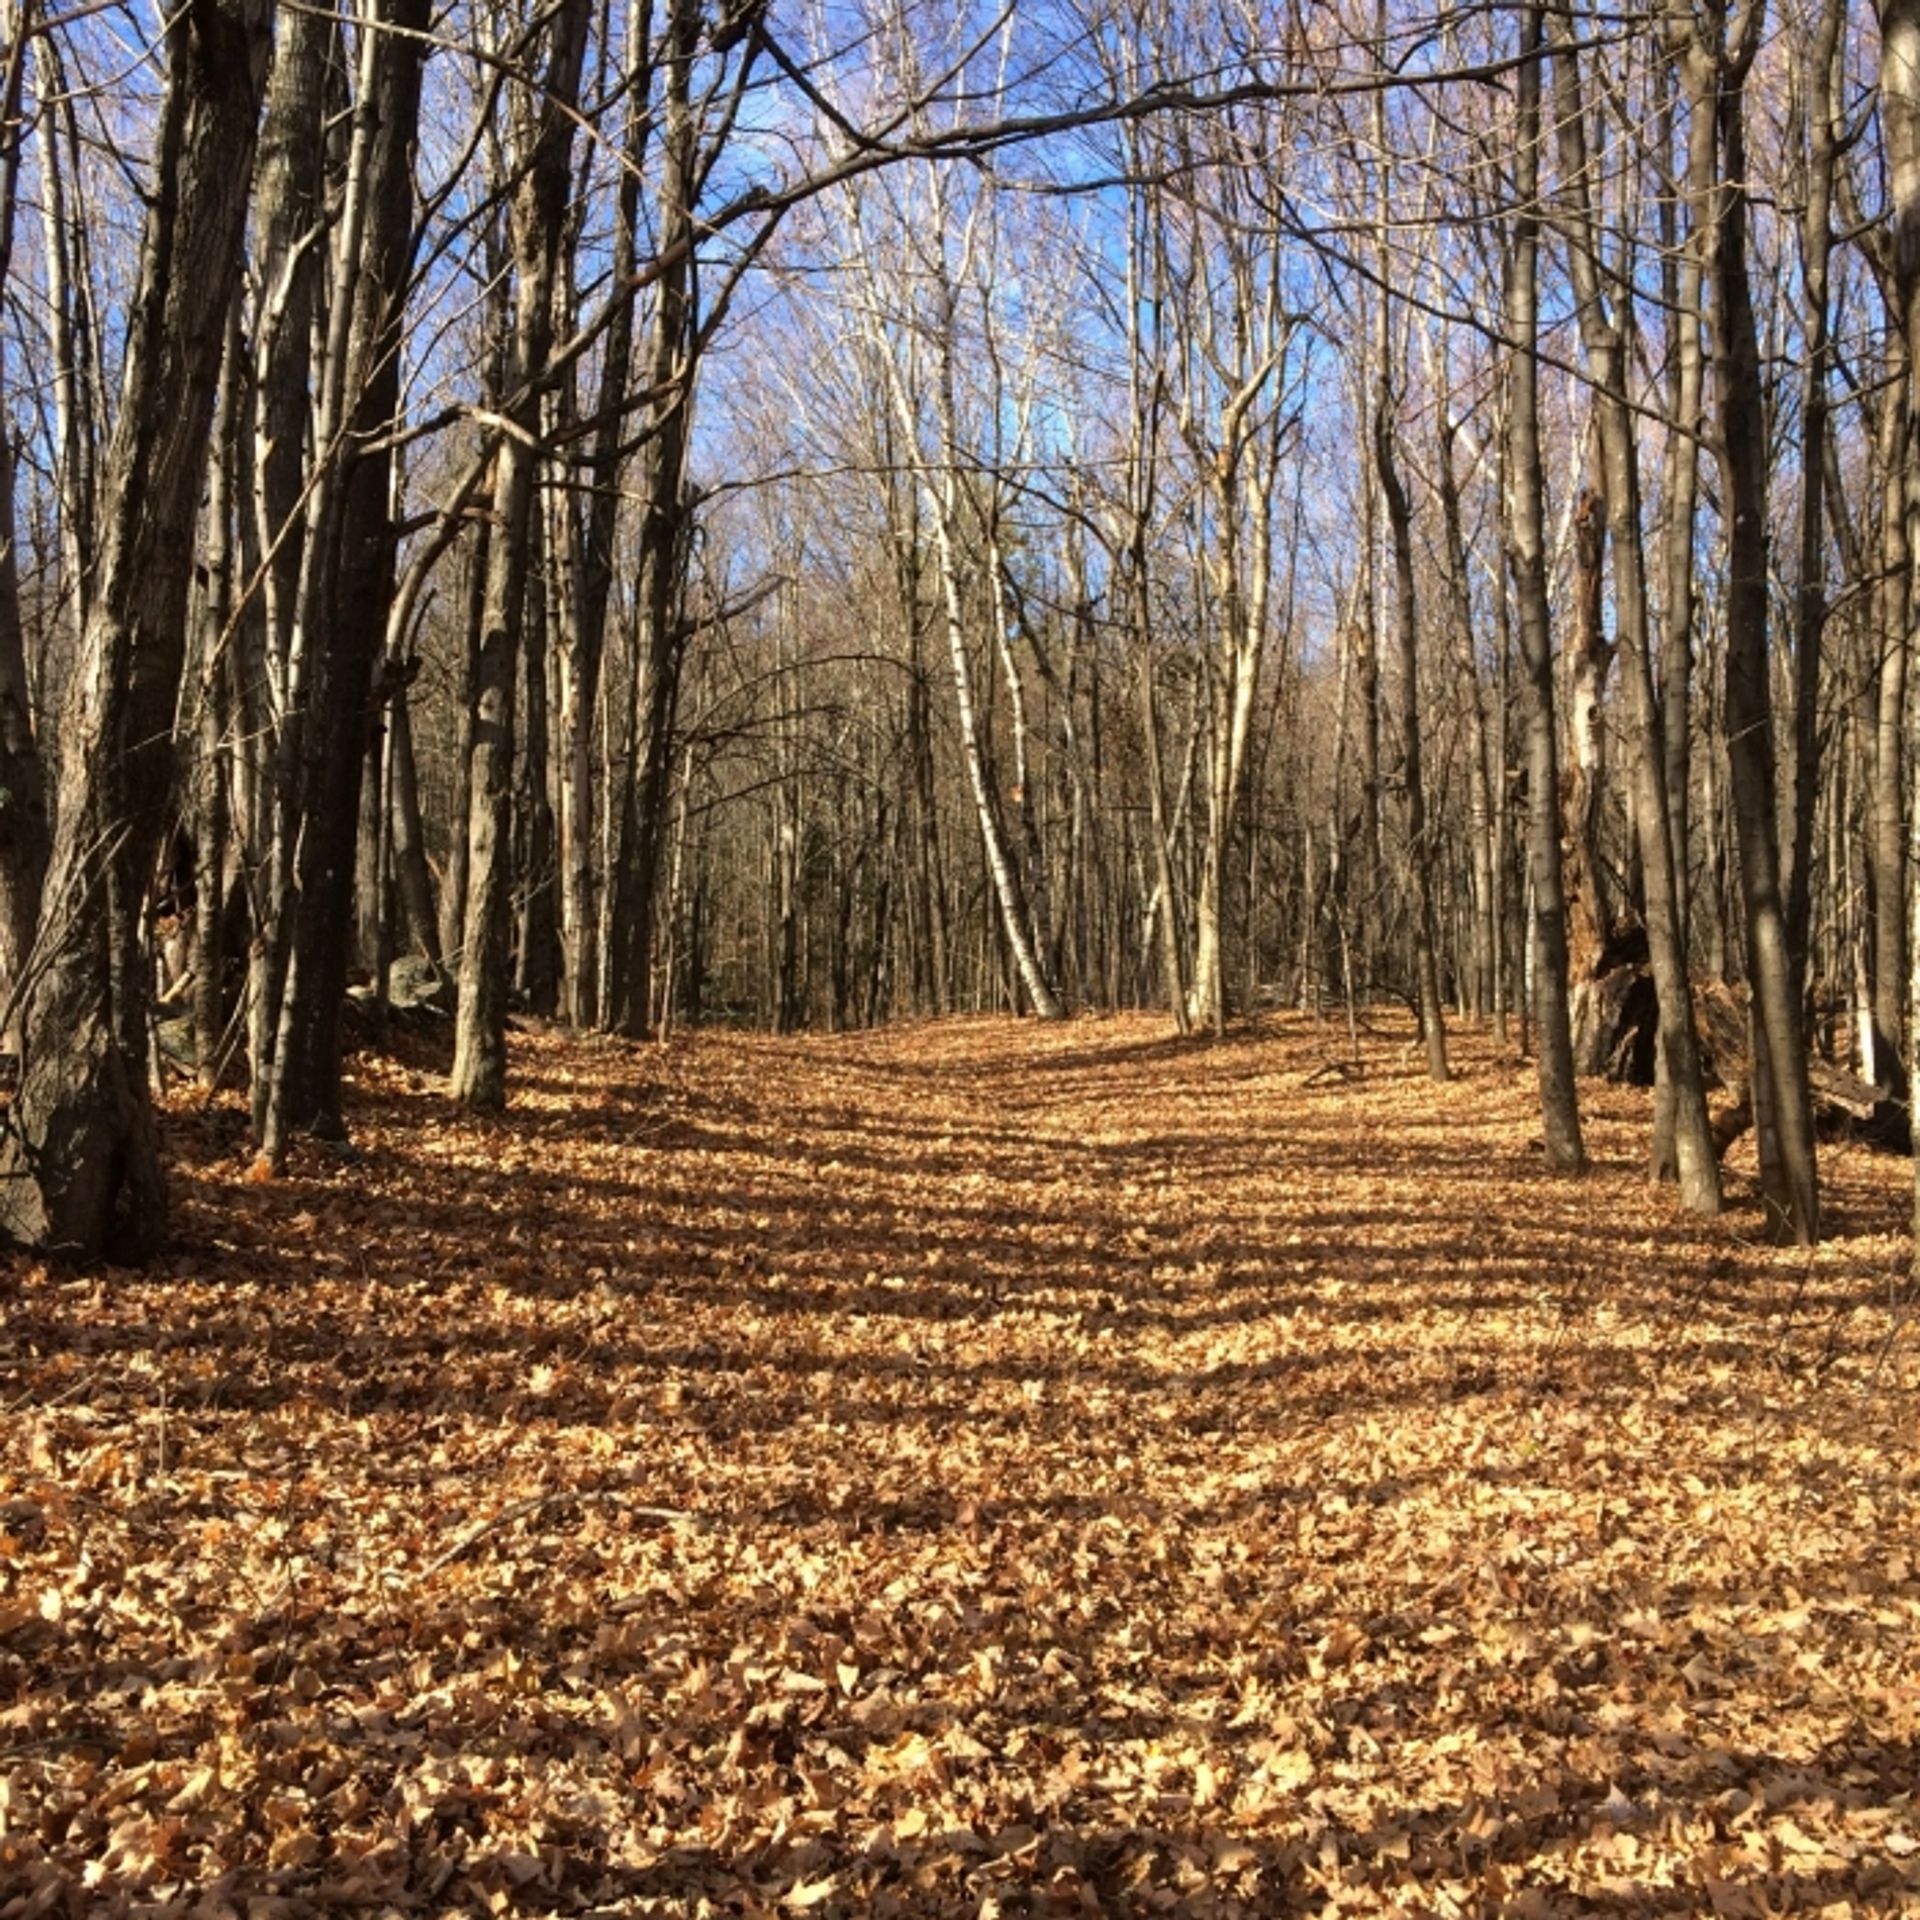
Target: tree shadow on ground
{"x":497,"y":1436}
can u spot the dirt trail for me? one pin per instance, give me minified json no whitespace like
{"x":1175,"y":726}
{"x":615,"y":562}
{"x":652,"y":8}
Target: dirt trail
{"x":967,"y":1469}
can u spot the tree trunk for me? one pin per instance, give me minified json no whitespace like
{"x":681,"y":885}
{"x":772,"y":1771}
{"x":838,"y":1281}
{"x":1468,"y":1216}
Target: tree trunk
{"x":1482,"y":856}
{"x":543,"y":141}
{"x":23,"y":795}
{"x":453,"y":892}
{"x":1004,"y":875}
{"x":411,"y":873}
{"x":288,"y":200}
{"x":1899,"y":454}
{"x":1426,"y":971}
{"x":347,"y":569}
{"x":666,"y":519}
{"x":1172,"y":958}
{"x":1030,"y":850}
{"x":209,"y":784}
{"x":940,"y":483}
{"x":583,"y":644}
{"x":69,"y":317}
{"x":1590,"y":662}
{"x":1783,"y":1113}
{"x":1810,"y":600}
{"x":1606,"y":325}
{"x":79,"y":1162}
{"x":1527,"y":560}
{"x":539,"y":945}
{"x":1684,"y":266}
{"x":656,"y":702}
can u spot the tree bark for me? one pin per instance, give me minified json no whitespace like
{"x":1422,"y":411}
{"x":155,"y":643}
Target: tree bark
{"x":543,"y":141}
{"x":666,"y":518}
{"x":1527,"y":562}
{"x":1590,"y":663}
{"x":24,"y":829}
{"x":583,"y":644}
{"x":1483,"y":860}
{"x":209,"y":785}
{"x":347,"y":569}
{"x":538,"y":963}
{"x":1810,"y":600}
{"x":79,"y":1162}
{"x":1684,"y":264}
{"x":411,"y":873}
{"x":1426,"y":972}
{"x":1606,"y":327}
{"x":1899,"y":456}
{"x":1783,"y":1111}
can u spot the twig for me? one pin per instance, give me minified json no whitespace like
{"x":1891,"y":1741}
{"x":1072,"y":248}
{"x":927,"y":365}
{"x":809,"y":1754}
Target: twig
{"x":1346,"y":1070}
{"x":1899,"y":1304}
{"x":538,"y":1503}
{"x":66,"y":1393}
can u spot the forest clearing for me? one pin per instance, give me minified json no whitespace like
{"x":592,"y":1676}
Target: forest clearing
{"x":965,"y":1468}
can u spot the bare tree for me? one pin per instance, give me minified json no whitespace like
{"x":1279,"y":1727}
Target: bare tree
{"x":346,"y":565}
{"x":79,"y":1163}
{"x":23,"y":800}
{"x":1725,"y":44}
{"x":541,"y":124}
{"x":1527,"y":558}
{"x":929,"y":427}
{"x":1606,"y":316}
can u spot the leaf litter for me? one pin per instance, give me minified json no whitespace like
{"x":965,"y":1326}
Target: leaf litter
{"x":968,"y":1469}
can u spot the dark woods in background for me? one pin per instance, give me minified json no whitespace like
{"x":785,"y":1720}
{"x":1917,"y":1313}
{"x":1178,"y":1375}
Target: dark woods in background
{"x":597,"y":514}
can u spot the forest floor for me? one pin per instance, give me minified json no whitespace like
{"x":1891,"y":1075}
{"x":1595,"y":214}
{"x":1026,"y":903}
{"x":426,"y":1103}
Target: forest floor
{"x":968,"y":1469}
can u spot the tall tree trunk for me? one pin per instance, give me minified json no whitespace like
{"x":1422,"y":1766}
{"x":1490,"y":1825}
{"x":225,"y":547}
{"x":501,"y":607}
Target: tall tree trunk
{"x":1606,"y":326}
{"x":23,"y":796}
{"x":1527,"y":560}
{"x":1167,"y":919}
{"x":1683,"y":272}
{"x":543,"y":140}
{"x":1783,"y":1116}
{"x":290,"y":254}
{"x":1899,"y":455}
{"x":1030,"y":850}
{"x":1810,"y":601}
{"x":75,"y":412}
{"x":411,"y":873}
{"x":1886,"y":819}
{"x":583,"y":644}
{"x":1245,"y":570}
{"x":1683,"y":269}
{"x":347,"y":568}
{"x":1509,"y":892}
{"x":79,"y":1161}
{"x":665,"y":529}
{"x":539,"y":945}
{"x":1146,"y":310}
{"x":1426,"y":971}
{"x":940,"y":482}
{"x":656,"y":700}
{"x":453,"y":893}
{"x":1590,"y":662}
{"x":290,"y":259}
{"x":1365,"y":642}
{"x":1482,"y":857}
{"x":1385,"y":430}
{"x":209,"y":787}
